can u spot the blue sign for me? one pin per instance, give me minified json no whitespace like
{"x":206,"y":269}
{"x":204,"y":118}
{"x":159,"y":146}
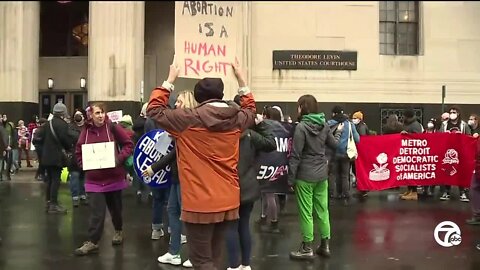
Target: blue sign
{"x":151,"y":147}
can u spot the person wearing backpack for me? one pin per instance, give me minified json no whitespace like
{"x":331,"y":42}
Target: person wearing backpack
{"x":340,"y":161}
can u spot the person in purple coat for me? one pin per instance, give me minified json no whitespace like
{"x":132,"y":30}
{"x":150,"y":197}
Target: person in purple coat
{"x":104,"y":186}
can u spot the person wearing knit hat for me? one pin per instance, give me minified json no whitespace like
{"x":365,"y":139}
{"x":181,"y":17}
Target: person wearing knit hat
{"x":207,"y":140}
{"x":208,"y":89}
{"x":60,"y":110}
{"x":56,"y":140}
{"x":126,"y":121}
{"x":360,"y":125}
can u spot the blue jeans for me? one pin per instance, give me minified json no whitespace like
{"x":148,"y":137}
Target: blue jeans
{"x":77,"y":185}
{"x":238,"y":232}
{"x":15,"y":162}
{"x":174,"y":210}
{"x":159,"y":198}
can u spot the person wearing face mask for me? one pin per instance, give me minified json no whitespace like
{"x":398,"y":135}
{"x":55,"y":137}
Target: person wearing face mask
{"x":430,"y":128}
{"x":445,"y":116}
{"x":455,"y":124}
{"x":77,"y":175}
{"x":473,"y":124}
{"x":361,"y":127}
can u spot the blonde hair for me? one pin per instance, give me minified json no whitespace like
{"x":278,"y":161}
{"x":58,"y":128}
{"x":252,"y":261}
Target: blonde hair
{"x":188,"y":99}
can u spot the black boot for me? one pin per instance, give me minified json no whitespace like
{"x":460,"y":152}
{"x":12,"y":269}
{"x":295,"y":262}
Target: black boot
{"x":324,"y":248}
{"x":305,"y":252}
{"x":262,"y":221}
{"x":272,"y":228}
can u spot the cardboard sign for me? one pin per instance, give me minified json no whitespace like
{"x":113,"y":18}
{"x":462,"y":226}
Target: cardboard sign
{"x":206,"y":38}
{"x":98,"y":156}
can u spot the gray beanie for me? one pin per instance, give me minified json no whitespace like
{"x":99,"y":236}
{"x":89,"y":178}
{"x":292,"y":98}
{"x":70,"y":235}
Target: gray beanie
{"x":60,"y":109}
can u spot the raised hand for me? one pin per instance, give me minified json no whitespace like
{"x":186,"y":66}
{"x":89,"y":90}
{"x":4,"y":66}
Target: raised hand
{"x":174,"y":71}
{"x":239,"y":73}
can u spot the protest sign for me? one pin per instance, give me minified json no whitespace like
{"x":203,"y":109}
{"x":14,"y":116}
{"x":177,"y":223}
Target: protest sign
{"x":273,"y":166}
{"x":98,"y":155}
{"x":115,"y":116}
{"x":415,"y":160}
{"x":206,"y":38}
{"x":151,"y":147}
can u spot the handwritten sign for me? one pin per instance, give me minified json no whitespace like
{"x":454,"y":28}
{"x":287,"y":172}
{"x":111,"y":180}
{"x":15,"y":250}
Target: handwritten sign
{"x":98,"y":156}
{"x":150,"y":149}
{"x":206,"y":38}
{"x":115,"y":116}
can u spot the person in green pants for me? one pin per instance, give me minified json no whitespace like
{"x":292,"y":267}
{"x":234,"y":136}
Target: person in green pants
{"x":308,"y":173}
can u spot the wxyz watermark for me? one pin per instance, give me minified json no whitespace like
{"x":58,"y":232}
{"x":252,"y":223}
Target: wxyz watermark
{"x":452,"y":237}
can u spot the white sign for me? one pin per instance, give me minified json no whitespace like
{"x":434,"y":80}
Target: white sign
{"x":452,"y":235}
{"x":115,"y":116}
{"x":206,"y":38}
{"x":98,"y":156}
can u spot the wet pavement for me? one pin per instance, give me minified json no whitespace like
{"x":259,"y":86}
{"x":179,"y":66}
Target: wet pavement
{"x":378,"y":233}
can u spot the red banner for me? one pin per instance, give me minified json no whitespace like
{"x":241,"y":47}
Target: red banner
{"x":415,"y":160}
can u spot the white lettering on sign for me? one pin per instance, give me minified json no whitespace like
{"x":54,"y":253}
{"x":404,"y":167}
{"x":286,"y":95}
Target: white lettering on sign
{"x":415,"y":161}
{"x":150,"y":154}
{"x":282,"y":144}
{"x":272,"y":173}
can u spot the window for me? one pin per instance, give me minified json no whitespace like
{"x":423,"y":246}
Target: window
{"x":399,"y":27}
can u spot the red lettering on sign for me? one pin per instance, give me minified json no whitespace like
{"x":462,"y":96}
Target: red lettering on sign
{"x":204,"y":49}
{"x":205,"y":66}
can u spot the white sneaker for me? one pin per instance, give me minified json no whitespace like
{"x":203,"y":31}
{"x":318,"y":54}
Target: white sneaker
{"x":445,"y":197}
{"x":157,"y":234}
{"x":184,"y":239}
{"x":187,"y":264}
{"x":237,"y":268}
{"x":245,"y":267}
{"x":464,"y":198}
{"x":170,"y":259}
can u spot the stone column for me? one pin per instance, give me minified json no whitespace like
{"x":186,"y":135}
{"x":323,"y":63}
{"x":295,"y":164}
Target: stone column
{"x":19,"y":52}
{"x":116,"y":54}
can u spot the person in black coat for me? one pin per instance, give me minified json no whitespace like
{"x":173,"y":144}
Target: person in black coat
{"x":53,"y":146}
{"x":37,"y":141}
{"x":139,"y":130}
{"x":3,"y":149}
{"x":252,"y":141}
{"x":77,"y":175}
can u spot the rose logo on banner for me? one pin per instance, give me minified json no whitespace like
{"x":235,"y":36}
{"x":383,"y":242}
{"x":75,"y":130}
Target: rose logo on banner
{"x":151,"y":147}
{"x":452,"y":234}
{"x":380,"y":173}
{"x":451,"y":157}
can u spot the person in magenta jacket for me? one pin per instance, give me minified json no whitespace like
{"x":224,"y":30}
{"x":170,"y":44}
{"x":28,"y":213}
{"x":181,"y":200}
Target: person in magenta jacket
{"x":104,"y":186}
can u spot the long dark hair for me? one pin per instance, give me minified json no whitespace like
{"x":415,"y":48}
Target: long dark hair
{"x":308,"y":104}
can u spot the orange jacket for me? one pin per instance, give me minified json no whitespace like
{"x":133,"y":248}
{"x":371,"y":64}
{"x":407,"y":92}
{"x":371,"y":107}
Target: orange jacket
{"x":207,"y":141}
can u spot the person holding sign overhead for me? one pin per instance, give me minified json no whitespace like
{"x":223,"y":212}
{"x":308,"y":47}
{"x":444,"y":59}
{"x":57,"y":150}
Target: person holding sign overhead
{"x":104,"y":185}
{"x":207,"y":142}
